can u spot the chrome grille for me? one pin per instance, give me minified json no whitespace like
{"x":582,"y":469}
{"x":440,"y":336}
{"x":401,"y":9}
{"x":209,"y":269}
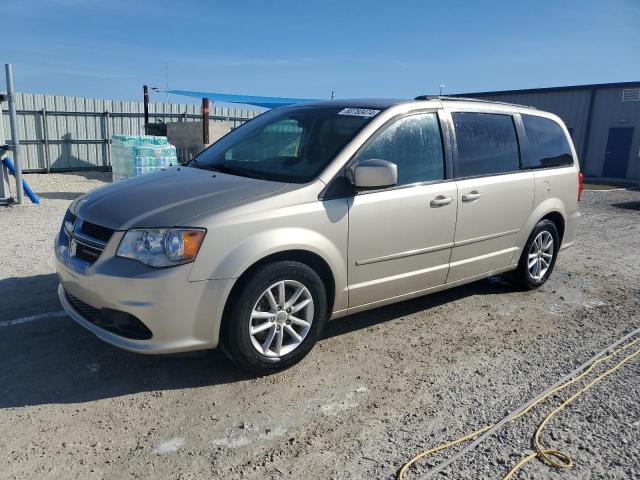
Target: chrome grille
{"x":84,"y":240}
{"x":69,"y":219}
{"x":86,"y":253}
{"x":96,"y":231}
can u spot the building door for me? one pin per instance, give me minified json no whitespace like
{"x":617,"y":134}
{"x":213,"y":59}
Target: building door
{"x":616,"y":159}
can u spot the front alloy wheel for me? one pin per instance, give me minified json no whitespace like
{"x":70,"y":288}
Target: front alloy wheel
{"x":275,"y":317}
{"x":281,"y":318}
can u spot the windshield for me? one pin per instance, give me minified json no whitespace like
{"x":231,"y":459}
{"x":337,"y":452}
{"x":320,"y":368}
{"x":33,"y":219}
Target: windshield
{"x":291,"y":144}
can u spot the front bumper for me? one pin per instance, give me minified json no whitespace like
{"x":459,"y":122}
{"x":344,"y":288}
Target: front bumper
{"x":182,"y":315}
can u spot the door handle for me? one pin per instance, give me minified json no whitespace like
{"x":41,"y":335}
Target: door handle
{"x":441,"y":200}
{"x":471,"y":196}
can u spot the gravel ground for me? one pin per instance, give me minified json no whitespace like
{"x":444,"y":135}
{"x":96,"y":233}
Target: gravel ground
{"x":379,"y":387}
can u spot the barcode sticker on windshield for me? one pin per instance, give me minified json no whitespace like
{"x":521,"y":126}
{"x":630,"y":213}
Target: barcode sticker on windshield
{"x":359,"y":112}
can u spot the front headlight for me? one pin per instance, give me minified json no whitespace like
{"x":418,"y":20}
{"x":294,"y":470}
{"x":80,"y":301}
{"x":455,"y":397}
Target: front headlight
{"x":161,"y":247}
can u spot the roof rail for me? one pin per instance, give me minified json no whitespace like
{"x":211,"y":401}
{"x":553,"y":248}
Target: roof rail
{"x":469,"y":99}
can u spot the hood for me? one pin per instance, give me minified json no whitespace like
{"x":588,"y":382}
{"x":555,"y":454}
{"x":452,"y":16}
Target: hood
{"x":168,"y":198}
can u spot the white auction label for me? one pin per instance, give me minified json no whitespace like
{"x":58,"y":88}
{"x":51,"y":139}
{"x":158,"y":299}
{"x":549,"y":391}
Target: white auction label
{"x":359,"y":112}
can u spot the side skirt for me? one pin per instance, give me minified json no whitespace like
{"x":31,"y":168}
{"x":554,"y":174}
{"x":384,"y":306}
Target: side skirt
{"x":418,"y":293}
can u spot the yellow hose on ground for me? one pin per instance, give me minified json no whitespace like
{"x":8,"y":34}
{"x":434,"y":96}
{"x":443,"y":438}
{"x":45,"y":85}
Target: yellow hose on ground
{"x":553,"y":457}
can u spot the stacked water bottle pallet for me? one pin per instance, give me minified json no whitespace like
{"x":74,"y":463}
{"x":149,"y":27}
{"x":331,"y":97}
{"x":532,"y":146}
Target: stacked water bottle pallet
{"x":133,"y":155}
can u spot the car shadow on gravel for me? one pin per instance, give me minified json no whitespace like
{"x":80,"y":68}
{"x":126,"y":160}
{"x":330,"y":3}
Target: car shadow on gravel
{"x":26,"y":296}
{"x":627,"y":205}
{"x":60,"y":195}
{"x":100,"y":173}
{"x":491,"y":286}
{"x":57,"y":361}
{"x":54,"y":360}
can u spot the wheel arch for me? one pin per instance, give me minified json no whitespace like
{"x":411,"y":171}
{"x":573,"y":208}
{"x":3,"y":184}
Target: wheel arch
{"x":307,"y":257}
{"x":551,"y":209}
{"x":559,"y":221}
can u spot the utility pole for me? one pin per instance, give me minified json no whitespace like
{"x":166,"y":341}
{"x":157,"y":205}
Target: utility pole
{"x":14,"y":133}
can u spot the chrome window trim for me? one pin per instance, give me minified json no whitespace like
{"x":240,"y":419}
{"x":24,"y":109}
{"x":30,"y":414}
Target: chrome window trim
{"x":506,"y":113}
{"x":444,"y":139}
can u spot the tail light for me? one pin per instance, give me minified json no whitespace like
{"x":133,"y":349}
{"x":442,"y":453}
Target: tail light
{"x":580,"y":184}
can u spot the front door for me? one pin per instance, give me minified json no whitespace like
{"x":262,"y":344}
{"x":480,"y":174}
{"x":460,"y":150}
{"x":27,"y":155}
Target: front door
{"x":400,"y":238}
{"x":616,"y":160}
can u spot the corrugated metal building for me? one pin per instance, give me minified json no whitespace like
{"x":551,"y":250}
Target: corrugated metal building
{"x":604,"y":121}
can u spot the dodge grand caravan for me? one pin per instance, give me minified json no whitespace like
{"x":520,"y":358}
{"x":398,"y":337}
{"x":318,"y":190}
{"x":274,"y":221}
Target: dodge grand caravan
{"x":317,"y":211}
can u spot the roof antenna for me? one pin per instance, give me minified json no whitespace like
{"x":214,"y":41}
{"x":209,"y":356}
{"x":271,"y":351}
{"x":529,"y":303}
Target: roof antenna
{"x":441,"y":88}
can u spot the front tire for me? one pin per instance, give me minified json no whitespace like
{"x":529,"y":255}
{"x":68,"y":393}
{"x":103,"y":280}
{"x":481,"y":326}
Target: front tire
{"x":538,"y":256}
{"x":276,"y":318}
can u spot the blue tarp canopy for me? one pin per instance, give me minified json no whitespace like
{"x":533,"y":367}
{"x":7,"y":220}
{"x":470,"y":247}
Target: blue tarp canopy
{"x":266,"y":102}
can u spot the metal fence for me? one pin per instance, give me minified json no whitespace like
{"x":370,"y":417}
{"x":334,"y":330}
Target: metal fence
{"x":60,"y":133}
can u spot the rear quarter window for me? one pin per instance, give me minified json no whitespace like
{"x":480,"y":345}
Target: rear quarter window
{"x":487,"y":144}
{"x":546,"y":145}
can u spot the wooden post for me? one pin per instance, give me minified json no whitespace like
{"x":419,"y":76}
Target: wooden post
{"x":145,"y":91}
{"x":107,"y":134}
{"x":205,"y":121}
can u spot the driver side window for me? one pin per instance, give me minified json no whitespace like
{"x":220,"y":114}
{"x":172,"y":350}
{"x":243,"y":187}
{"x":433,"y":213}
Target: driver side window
{"x":414,"y":144}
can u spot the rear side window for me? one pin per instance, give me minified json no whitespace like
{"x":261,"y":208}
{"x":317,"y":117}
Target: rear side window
{"x":547,"y":145}
{"x":487,"y":144}
{"x":414,"y":144}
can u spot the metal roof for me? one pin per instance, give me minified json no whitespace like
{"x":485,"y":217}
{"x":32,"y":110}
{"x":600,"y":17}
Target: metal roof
{"x":593,"y":86}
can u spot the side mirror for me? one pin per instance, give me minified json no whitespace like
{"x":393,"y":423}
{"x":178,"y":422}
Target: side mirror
{"x":375,"y":173}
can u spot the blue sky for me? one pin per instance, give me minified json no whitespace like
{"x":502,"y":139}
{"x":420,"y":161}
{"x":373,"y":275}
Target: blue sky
{"x":109,"y":48}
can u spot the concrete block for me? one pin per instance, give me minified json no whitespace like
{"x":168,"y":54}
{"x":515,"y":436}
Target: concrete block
{"x":188,"y":135}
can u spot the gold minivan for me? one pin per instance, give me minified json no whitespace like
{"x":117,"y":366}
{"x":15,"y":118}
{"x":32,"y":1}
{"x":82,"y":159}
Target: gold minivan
{"x":315,"y":211}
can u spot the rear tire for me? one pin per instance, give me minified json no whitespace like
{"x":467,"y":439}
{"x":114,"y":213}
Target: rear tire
{"x":276,"y":318}
{"x":538,"y":256}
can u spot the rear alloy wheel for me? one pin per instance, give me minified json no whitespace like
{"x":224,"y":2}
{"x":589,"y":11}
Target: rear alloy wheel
{"x":538,"y":256}
{"x":276,"y":317}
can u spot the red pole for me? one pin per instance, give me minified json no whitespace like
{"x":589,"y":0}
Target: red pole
{"x":205,"y":121}
{"x":145,"y":91}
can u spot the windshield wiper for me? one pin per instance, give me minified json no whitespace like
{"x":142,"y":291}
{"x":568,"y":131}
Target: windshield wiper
{"x":213,"y":168}
{"x":222,"y":168}
{"x":195,"y":163}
